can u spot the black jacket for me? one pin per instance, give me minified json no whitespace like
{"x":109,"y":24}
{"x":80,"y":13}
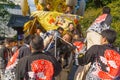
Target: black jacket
{"x":104,"y":62}
{"x":24,"y":51}
{"x":93,"y":53}
{"x":24,"y":65}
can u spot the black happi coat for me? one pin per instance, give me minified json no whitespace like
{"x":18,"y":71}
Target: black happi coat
{"x":102,"y":58}
{"x":24,"y":65}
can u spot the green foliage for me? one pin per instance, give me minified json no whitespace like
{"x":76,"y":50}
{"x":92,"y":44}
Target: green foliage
{"x":3,"y":6}
{"x":3,"y":0}
{"x":115,"y":7}
{"x":101,"y":3}
{"x":4,"y":15}
{"x":3,"y":12}
{"x":91,"y":14}
{"x":105,"y":2}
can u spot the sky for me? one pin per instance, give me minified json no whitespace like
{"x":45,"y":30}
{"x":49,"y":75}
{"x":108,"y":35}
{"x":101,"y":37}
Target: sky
{"x":30,"y":2}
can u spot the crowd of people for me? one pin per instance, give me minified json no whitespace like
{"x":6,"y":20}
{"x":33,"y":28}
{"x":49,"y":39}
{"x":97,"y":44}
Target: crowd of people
{"x":63,"y":55}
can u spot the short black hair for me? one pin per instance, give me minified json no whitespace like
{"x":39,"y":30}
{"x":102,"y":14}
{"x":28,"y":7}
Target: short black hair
{"x":48,"y":4}
{"x":106,"y":10}
{"x":37,"y":43}
{"x":71,"y":7}
{"x":60,"y":28}
{"x":110,"y":35}
{"x":70,"y":24}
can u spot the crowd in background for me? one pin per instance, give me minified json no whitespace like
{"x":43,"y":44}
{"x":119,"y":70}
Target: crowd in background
{"x":63,"y":55}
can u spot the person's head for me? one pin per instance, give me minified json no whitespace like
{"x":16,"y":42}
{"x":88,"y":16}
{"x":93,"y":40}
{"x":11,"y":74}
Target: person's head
{"x":16,"y":43}
{"x":67,"y":37}
{"x":69,"y":9}
{"x":71,"y":26}
{"x":108,"y":36}
{"x":37,"y":43}
{"x":39,"y":28}
{"x":106,"y":10}
{"x":60,"y":30}
{"x":48,"y":6}
{"x":9,"y":42}
{"x":38,"y":31}
{"x":27,"y":39}
{"x":76,"y":37}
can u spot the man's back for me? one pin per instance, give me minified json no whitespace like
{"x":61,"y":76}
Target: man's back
{"x":101,"y":23}
{"x":23,"y":68}
{"x":105,"y":62}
